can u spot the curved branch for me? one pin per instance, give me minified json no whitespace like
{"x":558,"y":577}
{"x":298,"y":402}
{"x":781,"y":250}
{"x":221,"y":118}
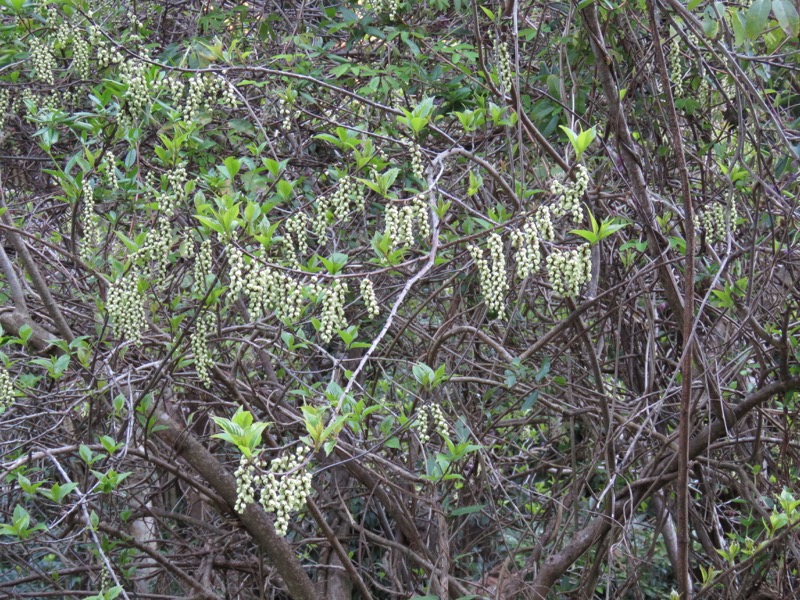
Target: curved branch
{"x":254,"y":519}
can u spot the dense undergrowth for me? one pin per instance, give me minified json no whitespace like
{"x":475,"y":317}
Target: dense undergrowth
{"x":389,"y":300}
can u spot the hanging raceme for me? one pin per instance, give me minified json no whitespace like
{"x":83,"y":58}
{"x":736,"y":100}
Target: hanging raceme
{"x":369,"y":298}
{"x":108,"y":171}
{"x":494,"y":282}
{"x":568,"y":270}
{"x":296,"y":236}
{"x":406,"y":223}
{"x":44,"y":63}
{"x":203,"y":268}
{"x":716,"y":223}
{"x":417,"y":167}
{"x":106,"y":55}
{"x":91,"y":232}
{"x":125,"y":306}
{"x":431,"y":412}
{"x":203,"y":361}
{"x":333,"y":318}
{"x":569,"y":195}
{"x":505,"y":73}
{"x":285,"y":487}
{"x":137,"y":97}
{"x":529,"y":254}
{"x":236,"y":270}
{"x":6,"y":390}
{"x":80,"y":55}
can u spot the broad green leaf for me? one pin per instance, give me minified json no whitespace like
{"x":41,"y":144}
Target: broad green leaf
{"x":756,"y":18}
{"x":786,"y":14}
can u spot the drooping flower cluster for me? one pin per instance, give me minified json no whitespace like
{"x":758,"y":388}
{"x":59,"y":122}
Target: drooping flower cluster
{"x":494,"y":283}
{"x":63,"y":33}
{"x":296,"y":235}
{"x":676,"y":67}
{"x":195,"y":97}
{"x":91,"y":232}
{"x":569,"y":196}
{"x":4,"y":106}
{"x":80,"y":56}
{"x":333,"y":318}
{"x":105,"y":581}
{"x":286,"y":114}
{"x":536,"y":229}
{"x":369,"y":298}
{"x":388,"y":7}
{"x":134,"y":39}
{"x":177,"y":178}
{"x":236,"y":270}
{"x":349,"y":195}
{"x":568,"y":270}
{"x":125,"y":306}
{"x":6,"y":390}
{"x":504,"y":70}
{"x":204,"y":90}
{"x":529,"y":255}
{"x":417,"y":168}
{"x":268,"y":289}
{"x":173,"y":87}
{"x":157,"y":245}
{"x":205,"y":324}
{"x":716,"y":224}
{"x":175,"y":192}
{"x":105,"y":54}
{"x":133,"y":73}
{"x":544,"y":224}
{"x":428,"y":413}
{"x":279,"y":291}
{"x":246,"y":481}
{"x":203,"y":267}
{"x":265,"y":288}
{"x":405,"y":224}
{"x":44,"y":63}
{"x":285,"y":487}
{"x":108,"y":171}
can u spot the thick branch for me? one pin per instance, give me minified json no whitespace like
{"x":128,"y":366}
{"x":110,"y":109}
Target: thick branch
{"x":36,"y":277}
{"x":254,"y":519}
{"x":557,"y":564}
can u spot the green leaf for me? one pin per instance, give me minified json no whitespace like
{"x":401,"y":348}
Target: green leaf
{"x":58,"y":492}
{"x":26,"y":485}
{"x":756,"y":18}
{"x":25,"y":333}
{"x":243,"y":418}
{"x":232,"y":165}
{"x":86,"y":454}
{"x":475,"y":183}
{"x":786,"y":14}
{"x":336,"y":262}
{"x":21,"y":518}
{"x":284,"y":189}
{"x":212,"y":224}
{"x":423,"y":373}
{"x":589,"y":236}
{"x":467,"y":510}
{"x":110,"y":445}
